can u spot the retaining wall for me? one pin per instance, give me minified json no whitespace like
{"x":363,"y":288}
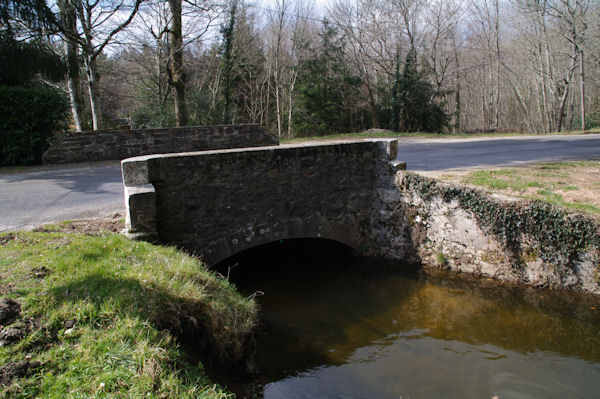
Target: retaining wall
{"x":465,"y":229}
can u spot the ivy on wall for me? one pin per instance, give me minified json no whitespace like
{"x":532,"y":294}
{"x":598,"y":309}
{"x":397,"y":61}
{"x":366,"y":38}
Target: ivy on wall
{"x":560,"y":237}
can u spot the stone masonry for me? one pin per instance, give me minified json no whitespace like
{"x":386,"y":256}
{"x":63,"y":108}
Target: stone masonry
{"x":120,"y":144}
{"x":218,"y":203}
{"x":439,"y":231}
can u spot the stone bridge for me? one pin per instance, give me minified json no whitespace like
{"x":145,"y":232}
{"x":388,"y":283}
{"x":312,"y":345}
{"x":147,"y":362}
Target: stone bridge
{"x":218,"y":203}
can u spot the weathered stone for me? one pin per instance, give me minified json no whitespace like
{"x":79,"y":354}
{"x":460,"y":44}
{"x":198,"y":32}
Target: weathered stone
{"x":140,"y":206}
{"x":218,"y":203}
{"x":120,"y":144}
{"x":441,"y":228}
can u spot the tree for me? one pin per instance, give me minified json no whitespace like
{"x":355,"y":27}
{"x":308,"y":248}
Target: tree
{"x":23,"y":61}
{"x":418,"y":110}
{"x":96,"y":17}
{"x":68,"y":17}
{"x":177,"y":76}
{"x":572,"y":20}
{"x":228,"y":60}
{"x":26,"y":18}
{"x":326,"y":88}
{"x":31,"y":111}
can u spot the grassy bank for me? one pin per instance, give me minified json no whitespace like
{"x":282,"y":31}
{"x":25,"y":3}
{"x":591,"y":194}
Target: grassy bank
{"x":391,"y":134}
{"x":572,"y":185}
{"x":100,"y":316}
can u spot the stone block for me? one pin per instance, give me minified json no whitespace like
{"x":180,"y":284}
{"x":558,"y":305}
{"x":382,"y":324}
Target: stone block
{"x":140,"y":221}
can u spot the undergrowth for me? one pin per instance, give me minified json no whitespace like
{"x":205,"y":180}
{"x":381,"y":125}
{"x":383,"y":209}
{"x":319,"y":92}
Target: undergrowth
{"x":101,"y":317}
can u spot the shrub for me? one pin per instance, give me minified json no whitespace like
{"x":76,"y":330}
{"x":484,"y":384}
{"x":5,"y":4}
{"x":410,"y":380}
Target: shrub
{"x":29,"y":118}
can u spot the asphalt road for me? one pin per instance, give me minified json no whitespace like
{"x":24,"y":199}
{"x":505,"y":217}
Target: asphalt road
{"x":32,"y":198}
{"x":442,"y":154}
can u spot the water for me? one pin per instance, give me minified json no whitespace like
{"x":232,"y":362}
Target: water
{"x":342,"y":327}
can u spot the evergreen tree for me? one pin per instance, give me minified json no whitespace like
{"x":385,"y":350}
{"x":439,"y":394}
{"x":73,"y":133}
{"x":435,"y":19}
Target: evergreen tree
{"x":417,"y":110}
{"x":228,"y":60}
{"x":326,"y":88}
{"x":30,"y":110}
{"x":23,"y":61}
{"x":33,"y":15}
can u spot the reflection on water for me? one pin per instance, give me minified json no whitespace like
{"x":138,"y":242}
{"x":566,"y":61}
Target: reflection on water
{"x":340,"y":327}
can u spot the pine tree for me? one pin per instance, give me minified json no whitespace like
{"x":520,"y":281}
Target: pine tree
{"x":417,"y":109}
{"x":325,"y":88}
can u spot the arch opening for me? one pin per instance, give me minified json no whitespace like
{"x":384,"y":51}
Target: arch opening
{"x":287,"y":259}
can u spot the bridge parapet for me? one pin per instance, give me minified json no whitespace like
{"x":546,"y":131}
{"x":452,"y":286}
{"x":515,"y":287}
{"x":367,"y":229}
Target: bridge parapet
{"x":218,"y":203}
{"x":100,"y":145}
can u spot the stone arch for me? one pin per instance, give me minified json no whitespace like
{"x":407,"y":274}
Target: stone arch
{"x":246,"y":237}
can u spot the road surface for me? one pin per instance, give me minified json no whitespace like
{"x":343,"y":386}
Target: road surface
{"x":32,"y":198}
{"x":442,"y":154}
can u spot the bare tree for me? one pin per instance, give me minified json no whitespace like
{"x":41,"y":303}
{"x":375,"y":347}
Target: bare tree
{"x":71,"y":50}
{"x":100,"y":22}
{"x":486,"y":17}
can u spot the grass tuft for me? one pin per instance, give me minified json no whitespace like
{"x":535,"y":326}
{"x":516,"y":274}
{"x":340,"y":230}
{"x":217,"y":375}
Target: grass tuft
{"x":105,"y":316}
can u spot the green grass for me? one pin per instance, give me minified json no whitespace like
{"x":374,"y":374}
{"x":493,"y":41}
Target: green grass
{"x":548,"y":178}
{"x":558,"y":200}
{"x":104,"y":314}
{"x":500,"y":180}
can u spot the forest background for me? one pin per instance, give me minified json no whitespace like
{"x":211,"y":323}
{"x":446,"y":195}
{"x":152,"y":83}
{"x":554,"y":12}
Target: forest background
{"x":306,"y":69}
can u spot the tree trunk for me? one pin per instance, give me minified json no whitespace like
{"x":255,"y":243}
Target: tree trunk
{"x":291,"y":102}
{"x":457,"y":125}
{"x":176,"y":69}
{"x":278,"y":88}
{"x":582,"y":85}
{"x":228,"y":56}
{"x":93,"y":79}
{"x":71,"y":48}
{"x":567,"y":83}
{"x":497,"y":34}
{"x":372,"y":106}
{"x":74,"y":86}
{"x":548,"y":76}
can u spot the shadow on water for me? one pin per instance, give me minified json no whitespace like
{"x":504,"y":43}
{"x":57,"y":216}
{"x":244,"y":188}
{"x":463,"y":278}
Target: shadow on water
{"x":310,"y":291}
{"x":325,"y":309}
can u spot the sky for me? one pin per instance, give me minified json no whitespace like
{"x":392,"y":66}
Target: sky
{"x":320,"y":5}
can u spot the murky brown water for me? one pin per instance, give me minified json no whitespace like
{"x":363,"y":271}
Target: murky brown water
{"x":336,"y":327}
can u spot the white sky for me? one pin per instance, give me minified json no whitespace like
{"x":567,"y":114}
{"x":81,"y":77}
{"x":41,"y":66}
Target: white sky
{"x":320,"y":5}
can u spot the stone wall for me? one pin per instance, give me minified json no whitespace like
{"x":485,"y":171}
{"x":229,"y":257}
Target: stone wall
{"x":468,"y":230}
{"x":120,"y":144}
{"x":218,"y":203}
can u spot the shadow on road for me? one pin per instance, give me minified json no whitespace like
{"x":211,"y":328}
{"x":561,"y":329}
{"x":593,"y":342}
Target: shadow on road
{"x":88,"y":180}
